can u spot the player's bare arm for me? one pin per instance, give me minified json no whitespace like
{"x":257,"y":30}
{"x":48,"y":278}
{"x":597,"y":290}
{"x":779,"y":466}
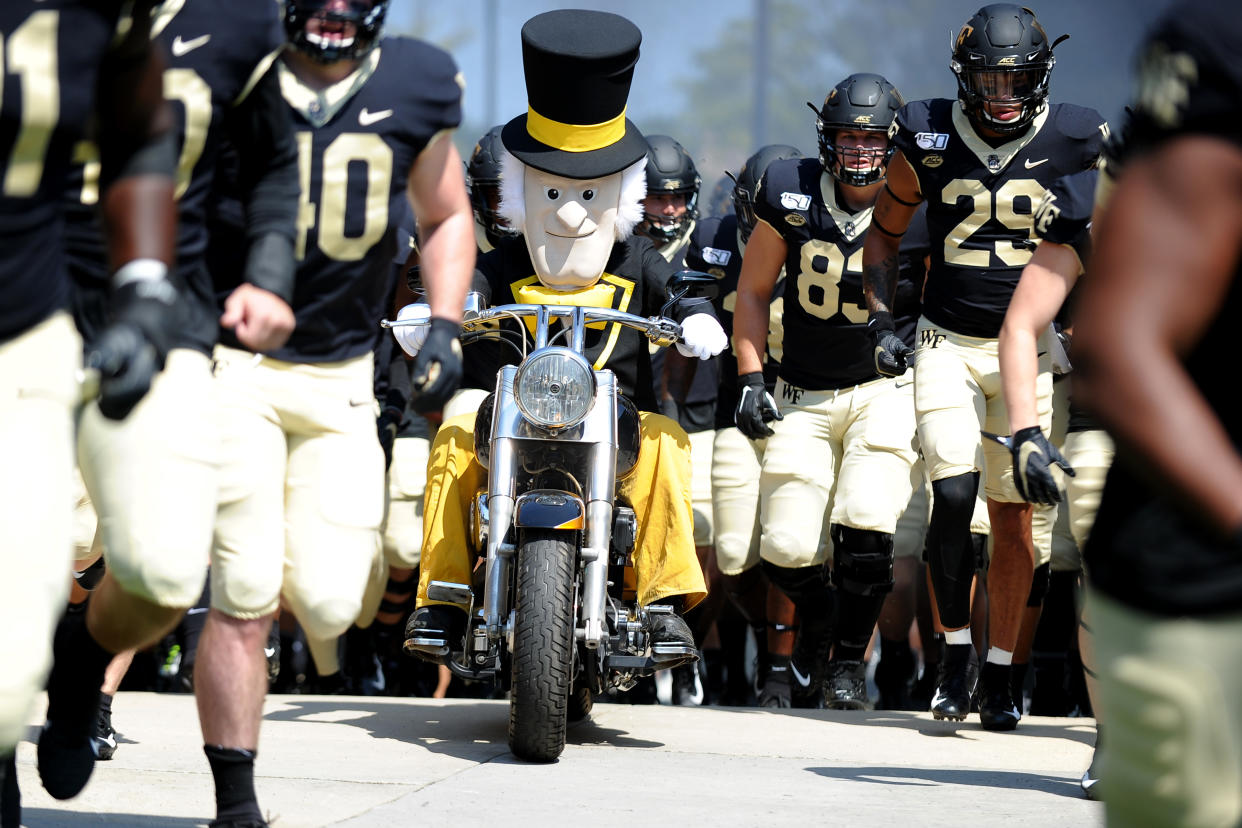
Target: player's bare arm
{"x":1167,"y":248}
{"x":891,"y":216}
{"x":437,"y":191}
{"x":761,"y":266}
{"x":1046,"y":280}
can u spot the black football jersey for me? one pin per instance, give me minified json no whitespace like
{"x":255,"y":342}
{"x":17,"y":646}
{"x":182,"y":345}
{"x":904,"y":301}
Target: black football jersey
{"x":357,"y":142}
{"x":50,"y":54}
{"x":217,"y":52}
{"x":1144,"y":550}
{"x":716,"y":248}
{"x":981,"y":201}
{"x":825,"y":341}
{"x":634,"y":281}
{"x":1064,"y":214}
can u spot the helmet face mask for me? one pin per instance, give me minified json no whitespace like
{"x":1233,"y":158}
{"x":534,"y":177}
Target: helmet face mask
{"x":862,"y":105}
{"x":329,"y":31}
{"x":670,"y":173}
{"x":1003,"y":63}
{"x":483,"y":184}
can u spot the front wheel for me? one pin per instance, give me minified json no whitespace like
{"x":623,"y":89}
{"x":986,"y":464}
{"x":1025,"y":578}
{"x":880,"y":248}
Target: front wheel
{"x":543,"y":638}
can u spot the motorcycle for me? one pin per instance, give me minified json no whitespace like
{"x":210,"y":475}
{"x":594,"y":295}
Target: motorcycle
{"x":554,"y":624}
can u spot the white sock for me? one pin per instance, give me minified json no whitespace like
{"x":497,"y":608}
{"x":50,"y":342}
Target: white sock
{"x":998,"y":656}
{"x":961,"y":636}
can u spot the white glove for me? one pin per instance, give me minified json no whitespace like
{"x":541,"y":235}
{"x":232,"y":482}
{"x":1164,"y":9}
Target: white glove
{"x":412,"y":337}
{"x":704,"y":338}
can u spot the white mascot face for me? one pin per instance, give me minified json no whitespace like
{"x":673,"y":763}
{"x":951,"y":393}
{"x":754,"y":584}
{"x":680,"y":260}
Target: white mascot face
{"x":570,"y":226}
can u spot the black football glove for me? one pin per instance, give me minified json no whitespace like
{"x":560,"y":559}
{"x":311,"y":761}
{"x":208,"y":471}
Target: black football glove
{"x":1033,"y":458}
{"x":387,"y":424}
{"x":755,"y":407}
{"x":891,"y":352}
{"x":437,"y":368}
{"x":131,"y":350}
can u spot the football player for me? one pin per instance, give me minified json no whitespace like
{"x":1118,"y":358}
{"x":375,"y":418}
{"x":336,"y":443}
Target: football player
{"x":837,"y":465}
{"x":686,"y":387}
{"x":302,"y":479}
{"x":77,"y":63}
{"x":157,"y":537}
{"x":483,"y":182}
{"x":982,"y":163}
{"x":716,"y":247}
{"x":671,"y":206}
{"x":1153,"y":359}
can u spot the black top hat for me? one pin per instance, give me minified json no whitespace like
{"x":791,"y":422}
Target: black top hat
{"x":579,"y":65}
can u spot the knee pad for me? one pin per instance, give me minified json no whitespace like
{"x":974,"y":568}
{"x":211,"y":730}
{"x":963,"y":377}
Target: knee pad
{"x":90,"y":577}
{"x":951,"y":550}
{"x":1039,"y":584}
{"x":807,"y":587}
{"x":329,"y":618}
{"x":862,"y":561}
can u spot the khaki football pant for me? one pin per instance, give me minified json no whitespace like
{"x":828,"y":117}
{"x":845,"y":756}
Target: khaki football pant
{"x":402,"y":528}
{"x":701,"y":444}
{"x":301,"y":491}
{"x":1091,"y":455}
{"x":957,"y":392}
{"x":1168,"y":697}
{"x":38,"y":394}
{"x":665,"y":562}
{"x":841,"y":456}
{"x":152,"y":479}
{"x":736,"y":462}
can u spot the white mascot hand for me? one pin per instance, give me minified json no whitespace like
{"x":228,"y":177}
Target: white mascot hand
{"x":412,"y":337}
{"x":704,"y":338}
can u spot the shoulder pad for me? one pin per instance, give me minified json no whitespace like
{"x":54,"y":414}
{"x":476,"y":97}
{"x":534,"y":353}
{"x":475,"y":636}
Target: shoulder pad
{"x":1079,"y":122}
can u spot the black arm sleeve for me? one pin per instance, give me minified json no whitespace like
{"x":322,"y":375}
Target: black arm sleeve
{"x":268,"y":177}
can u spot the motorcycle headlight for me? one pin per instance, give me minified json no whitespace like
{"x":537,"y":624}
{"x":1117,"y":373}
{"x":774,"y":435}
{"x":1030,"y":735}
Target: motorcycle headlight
{"x":554,"y":388}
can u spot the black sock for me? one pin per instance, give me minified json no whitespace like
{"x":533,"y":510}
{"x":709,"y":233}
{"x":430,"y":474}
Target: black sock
{"x":77,"y":672}
{"x":233,"y":771}
{"x":10,"y":794}
{"x":105,"y":702}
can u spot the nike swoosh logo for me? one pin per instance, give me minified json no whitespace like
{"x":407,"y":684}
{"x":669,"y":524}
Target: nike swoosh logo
{"x":805,"y":681}
{"x":196,"y":610}
{"x":183,"y":47}
{"x":1030,"y":165}
{"x":367,"y":118}
{"x":268,"y":652}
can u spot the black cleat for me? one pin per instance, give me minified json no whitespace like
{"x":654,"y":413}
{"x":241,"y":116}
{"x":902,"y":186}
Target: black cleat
{"x":434,"y":631}
{"x":997,"y":710}
{"x":237,"y":823}
{"x":846,"y":686}
{"x":103,"y":743}
{"x":955,"y":684}
{"x":1091,"y":776}
{"x":776,"y":691}
{"x":683,"y":685}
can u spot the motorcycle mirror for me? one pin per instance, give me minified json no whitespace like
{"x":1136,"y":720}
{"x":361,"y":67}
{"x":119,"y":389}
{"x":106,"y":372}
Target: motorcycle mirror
{"x":691,"y":284}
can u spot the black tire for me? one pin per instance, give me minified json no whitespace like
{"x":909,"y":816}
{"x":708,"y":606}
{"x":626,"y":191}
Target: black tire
{"x":543,"y":639}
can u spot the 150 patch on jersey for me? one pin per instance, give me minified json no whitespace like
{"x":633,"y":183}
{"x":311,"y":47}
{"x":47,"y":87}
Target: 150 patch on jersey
{"x":931,"y":140}
{"x":716,"y":256}
{"x":795,"y":201}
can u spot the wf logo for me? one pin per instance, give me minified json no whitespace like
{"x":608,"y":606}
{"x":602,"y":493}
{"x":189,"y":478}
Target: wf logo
{"x":931,"y":338}
{"x":794,"y":395}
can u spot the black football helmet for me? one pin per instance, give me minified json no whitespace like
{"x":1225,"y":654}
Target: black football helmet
{"x":862,"y":101}
{"x":747,"y":182}
{"x":483,"y":182}
{"x":670,"y":169}
{"x":1002,"y":56}
{"x":367,"y":17}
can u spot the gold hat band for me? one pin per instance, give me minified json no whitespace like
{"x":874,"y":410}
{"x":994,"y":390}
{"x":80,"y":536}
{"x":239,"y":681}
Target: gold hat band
{"x":574,"y":137}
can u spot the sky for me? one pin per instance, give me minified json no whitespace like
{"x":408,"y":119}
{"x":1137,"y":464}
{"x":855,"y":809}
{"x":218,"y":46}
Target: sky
{"x":1094,"y":67}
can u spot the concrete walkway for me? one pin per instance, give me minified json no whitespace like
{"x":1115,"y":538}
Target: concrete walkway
{"x":394,"y":762}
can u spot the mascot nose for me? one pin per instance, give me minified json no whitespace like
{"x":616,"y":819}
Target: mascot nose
{"x":574,"y":217}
